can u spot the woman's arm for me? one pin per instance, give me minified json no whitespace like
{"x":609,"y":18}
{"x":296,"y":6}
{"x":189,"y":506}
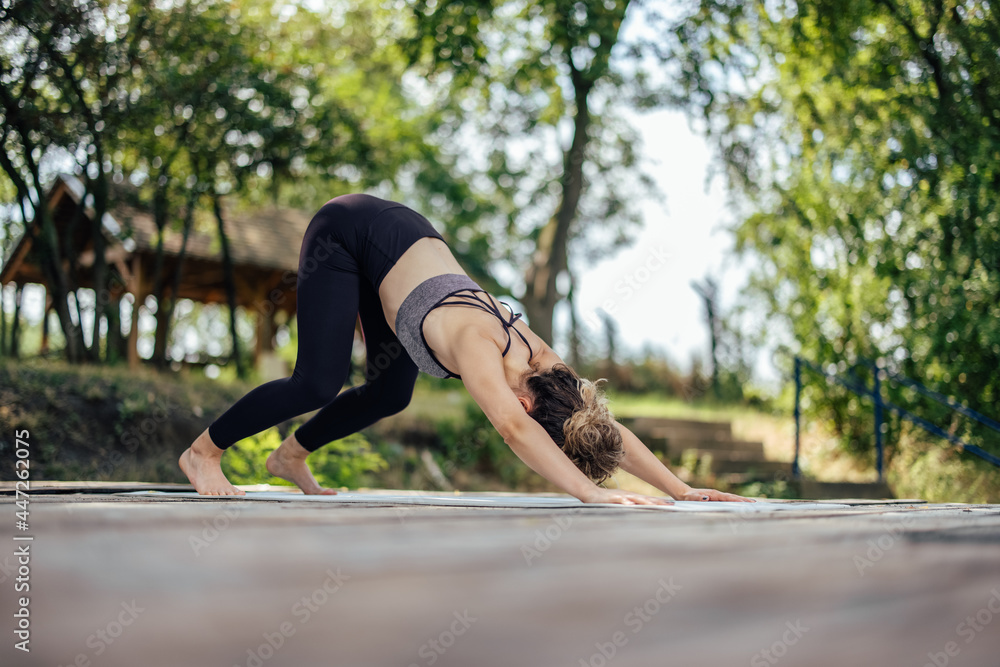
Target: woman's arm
{"x":645,"y":465}
{"x":481,"y":367}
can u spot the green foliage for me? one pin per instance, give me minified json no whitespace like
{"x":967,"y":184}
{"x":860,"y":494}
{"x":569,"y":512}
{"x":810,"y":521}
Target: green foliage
{"x":862,"y":144}
{"x":652,"y":373}
{"x":517,"y":77}
{"x":471,"y":442}
{"x":108,"y":422}
{"x":167,"y":106}
{"x":342,"y":463}
{"x":938,"y":473}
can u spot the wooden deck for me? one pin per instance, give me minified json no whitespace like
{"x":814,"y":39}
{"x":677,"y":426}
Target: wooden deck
{"x":165,"y":580}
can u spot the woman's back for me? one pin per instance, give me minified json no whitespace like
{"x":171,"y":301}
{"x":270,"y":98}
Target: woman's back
{"x":438,"y":328}
{"x":426,"y":258}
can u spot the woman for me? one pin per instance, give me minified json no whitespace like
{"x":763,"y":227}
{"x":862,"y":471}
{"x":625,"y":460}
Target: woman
{"x":383,"y":261}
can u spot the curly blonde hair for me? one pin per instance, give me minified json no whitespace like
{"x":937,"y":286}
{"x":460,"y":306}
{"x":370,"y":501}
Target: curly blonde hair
{"x":574,"y":412}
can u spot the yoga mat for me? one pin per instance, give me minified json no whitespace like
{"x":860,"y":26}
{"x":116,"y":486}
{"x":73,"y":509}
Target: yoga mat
{"x":505,"y":501}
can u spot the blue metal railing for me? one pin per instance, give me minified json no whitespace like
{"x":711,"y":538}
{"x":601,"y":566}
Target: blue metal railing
{"x":861,"y":388}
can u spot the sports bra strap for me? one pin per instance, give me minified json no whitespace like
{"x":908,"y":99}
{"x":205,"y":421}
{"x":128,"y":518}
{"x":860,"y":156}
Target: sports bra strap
{"x":474,"y":300}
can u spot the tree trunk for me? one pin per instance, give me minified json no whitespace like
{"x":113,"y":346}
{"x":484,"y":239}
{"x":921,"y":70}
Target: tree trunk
{"x":709,"y":292}
{"x":15,"y":328}
{"x":58,"y":282}
{"x":138,"y":294}
{"x":44,"y":349}
{"x":3,"y":326}
{"x":160,"y":351}
{"x":7,"y":243}
{"x":610,"y":369}
{"x":115,"y":351}
{"x":160,"y":218}
{"x":45,"y":236}
{"x":42,"y":230}
{"x":71,"y":259}
{"x":574,"y":325}
{"x":550,"y":259}
{"x":99,"y":269}
{"x":97,"y":187}
{"x":227,"y":269}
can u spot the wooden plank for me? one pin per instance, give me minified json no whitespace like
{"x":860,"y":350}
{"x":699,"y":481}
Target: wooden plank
{"x":389,"y":587}
{"x":53,"y":486}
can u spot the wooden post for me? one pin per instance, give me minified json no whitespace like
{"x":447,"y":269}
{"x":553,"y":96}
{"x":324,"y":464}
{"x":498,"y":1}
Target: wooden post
{"x":133,"y":335}
{"x":265,"y":328}
{"x":163,"y":309}
{"x":45,"y":322}
{"x":15,"y":330}
{"x":269,"y":366}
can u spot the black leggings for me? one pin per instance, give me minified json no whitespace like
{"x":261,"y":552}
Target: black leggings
{"x":349,"y":246}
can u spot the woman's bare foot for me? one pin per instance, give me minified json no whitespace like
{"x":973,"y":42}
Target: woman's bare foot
{"x":289,"y":462}
{"x":201,"y":462}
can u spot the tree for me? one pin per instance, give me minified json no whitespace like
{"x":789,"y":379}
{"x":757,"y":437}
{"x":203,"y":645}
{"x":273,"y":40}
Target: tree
{"x":175,"y":106}
{"x":237,"y":105}
{"x":709,"y":293}
{"x":37,"y":38}
{"x":862,"y":144}
{"x":544,"y":85}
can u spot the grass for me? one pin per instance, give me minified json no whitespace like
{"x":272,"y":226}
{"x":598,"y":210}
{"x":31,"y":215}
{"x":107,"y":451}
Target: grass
{"x":107,"y":422}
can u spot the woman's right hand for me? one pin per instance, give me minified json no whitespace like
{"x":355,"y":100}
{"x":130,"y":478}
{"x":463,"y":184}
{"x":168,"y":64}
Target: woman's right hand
{"x":600,"y":495}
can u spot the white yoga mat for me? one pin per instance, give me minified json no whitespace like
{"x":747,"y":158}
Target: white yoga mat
{"x":512,"y":501}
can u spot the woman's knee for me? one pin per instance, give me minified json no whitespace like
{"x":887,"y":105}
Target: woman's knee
{"x":390,"y":391}
{"x":396,"y":401}
{"x":316,"y":392}
{"x":384,"y":363}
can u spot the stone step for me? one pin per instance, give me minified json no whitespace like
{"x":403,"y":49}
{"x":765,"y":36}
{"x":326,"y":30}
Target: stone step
{"x":746,"y":456}
{"x":678,"y":447}
{"x":679,"y":429}
{"x":766,"y":468}
{"x":731,"y":479}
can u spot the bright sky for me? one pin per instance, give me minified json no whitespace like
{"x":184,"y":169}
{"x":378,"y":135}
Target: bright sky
{"x":648,"y":284}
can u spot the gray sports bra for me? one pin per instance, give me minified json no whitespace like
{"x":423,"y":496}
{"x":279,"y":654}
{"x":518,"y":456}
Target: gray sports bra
{"x":435,"y":292}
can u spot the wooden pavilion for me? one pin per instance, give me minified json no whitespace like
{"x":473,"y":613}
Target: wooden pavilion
{"x":264,"y":248}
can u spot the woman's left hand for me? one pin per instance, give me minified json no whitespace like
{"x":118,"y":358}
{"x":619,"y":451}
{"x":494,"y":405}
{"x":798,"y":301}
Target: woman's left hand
{"x":712,"y":494}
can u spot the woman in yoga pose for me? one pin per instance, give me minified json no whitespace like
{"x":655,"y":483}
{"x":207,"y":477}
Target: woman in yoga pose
{"x":382,"y":261}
